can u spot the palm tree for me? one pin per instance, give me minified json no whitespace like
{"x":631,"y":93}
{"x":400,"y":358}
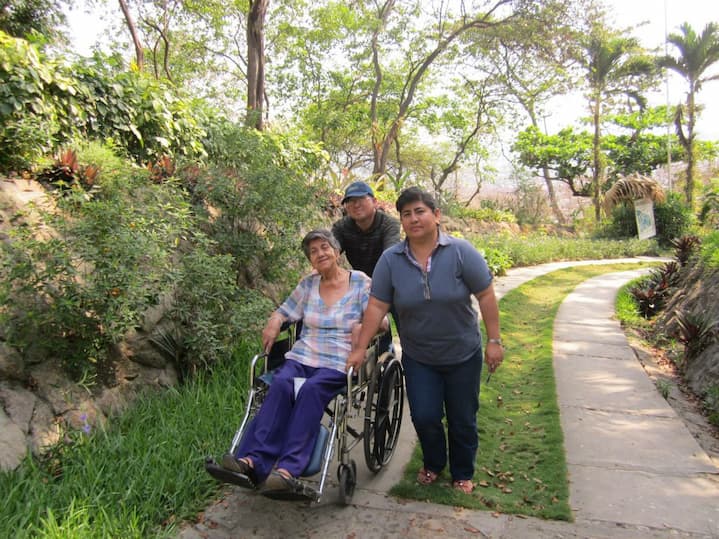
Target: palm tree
{"x":613,"y":66}
{"x":696,"y":53}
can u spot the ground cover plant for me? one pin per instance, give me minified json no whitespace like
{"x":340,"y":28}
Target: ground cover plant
{"x":138,"y":478}
{"x":537,"y":248}
{"x":520,"y":466}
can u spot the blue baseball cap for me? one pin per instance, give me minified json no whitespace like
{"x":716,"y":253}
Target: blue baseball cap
{"x":357,"y":189}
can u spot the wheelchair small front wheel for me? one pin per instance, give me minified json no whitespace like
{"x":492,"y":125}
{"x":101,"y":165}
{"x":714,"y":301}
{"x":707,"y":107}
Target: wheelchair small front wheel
{"x":347,"y":476}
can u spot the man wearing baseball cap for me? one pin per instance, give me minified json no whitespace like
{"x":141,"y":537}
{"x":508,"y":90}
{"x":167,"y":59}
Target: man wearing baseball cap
{"x":365,"y":231}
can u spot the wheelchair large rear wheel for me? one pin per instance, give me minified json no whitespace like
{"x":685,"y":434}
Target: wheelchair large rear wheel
{"x":383,"y":413}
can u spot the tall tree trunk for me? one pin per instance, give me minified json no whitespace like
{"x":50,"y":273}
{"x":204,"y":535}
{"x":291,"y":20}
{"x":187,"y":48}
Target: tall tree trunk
{"x":139,"y":52}
{"x":545,"y":172}
{"x":256,"y":63}
{"x":553,"y":197}
{"x":689,"y":188}
{"x":379,"y":149}
{"x":596,"y":155}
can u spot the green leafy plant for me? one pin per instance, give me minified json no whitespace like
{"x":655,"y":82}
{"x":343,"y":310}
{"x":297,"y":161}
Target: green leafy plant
{"x":684,"y":247}
{"x":664,"y":387}
{"x":711,"y":404}
{"x":649,"y":298}
{"x":83,"y":274}
{"x":673,"y":218}
{"x":709,"y":214}
{"x":710,"y":249}
{"x":497,"y":260}
{"x":696,"y":332}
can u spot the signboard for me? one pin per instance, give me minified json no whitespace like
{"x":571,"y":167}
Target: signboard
{"x":644,"y":214}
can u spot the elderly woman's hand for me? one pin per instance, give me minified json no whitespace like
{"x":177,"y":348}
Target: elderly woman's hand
{"x":271,"y":331}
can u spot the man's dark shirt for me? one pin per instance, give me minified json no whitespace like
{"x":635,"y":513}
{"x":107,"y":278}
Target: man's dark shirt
{"x":363,"y":248}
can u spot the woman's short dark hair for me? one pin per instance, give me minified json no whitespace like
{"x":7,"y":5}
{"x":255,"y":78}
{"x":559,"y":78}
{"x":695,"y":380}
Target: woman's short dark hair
{"x":415,"y":194}
{"x":319,"y":234}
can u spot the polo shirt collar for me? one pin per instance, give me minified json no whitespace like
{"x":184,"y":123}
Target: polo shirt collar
{"x":442,"y":240}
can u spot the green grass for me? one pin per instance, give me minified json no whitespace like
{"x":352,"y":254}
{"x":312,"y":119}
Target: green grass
{"x":140,"y":477}
{"x":536,"y":248}
{"x":520,"y":464}
{"x":626,"y":307}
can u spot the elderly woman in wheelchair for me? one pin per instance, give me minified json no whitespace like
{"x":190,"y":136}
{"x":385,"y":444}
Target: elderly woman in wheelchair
{"x":279,"y":442}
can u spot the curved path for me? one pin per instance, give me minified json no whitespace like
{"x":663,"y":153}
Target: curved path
{"x":635,"y":470}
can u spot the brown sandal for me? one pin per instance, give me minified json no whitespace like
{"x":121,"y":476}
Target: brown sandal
{"x":465,"y":485}
{"x":426,"y":477}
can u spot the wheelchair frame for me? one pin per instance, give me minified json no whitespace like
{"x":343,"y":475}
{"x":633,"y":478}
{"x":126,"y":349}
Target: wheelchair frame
{"x":375,"y":396}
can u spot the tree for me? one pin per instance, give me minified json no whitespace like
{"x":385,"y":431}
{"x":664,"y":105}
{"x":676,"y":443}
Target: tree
{"x":638,"y":150}
{"x":613,"y":66}
{"x":20,"y":18}
{"x":567,"y":155}
{"x":696,"y":54}
{"x":447,"y":29}
{"x":132,"y":28}
{"x":532,"y":79}
{"x":256,"y":62}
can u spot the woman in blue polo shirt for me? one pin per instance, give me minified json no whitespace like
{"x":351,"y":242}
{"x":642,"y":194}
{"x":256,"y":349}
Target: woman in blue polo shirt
{"x":430,"y":278}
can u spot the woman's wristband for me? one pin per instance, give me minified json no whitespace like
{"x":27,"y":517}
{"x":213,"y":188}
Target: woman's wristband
{"x":495,"y":341}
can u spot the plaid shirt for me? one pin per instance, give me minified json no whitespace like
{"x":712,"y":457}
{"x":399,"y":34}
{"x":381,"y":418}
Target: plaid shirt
{"x":325,"y":340}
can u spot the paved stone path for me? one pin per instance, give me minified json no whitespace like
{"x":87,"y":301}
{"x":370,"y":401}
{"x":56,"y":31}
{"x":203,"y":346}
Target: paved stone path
{"x":635,"y":470}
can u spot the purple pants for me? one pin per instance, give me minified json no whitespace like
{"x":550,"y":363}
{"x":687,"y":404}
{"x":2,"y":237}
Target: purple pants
{"x":285,"y":429}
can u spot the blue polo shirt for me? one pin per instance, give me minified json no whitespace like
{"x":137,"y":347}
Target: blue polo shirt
{"x":439,"y":324}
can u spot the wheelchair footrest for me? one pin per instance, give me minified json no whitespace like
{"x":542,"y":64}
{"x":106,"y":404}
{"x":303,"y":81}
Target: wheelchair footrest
{"x":227,"y":476}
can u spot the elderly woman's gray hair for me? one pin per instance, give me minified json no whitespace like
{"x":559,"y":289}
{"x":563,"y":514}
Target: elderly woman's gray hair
{"x":319,"y":234}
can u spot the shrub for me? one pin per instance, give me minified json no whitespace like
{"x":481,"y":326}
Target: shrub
{"x":710,"y":249}
{"x":260,"y":198}
{"x":621,"y":224}
{"x":81,"y":275}
{"x":531,"y":205}
{"x":711,"y":403}
{"x":46,"y":104}
{"x":497,"y":260}
{"x":709,"y":214}
{"x":673,"y":218}
{"x":212,"y":314}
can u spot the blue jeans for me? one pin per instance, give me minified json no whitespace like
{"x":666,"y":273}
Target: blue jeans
{"x":432,"y":390}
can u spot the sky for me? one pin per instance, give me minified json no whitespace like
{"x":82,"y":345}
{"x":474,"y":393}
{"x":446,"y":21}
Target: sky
{"x":660,"y":17}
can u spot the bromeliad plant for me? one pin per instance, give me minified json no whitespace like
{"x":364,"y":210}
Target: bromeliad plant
{"x":684,"y":247}
{"x":66,"y":172}
{"x":651,"y":293}
{"x":696,"y":332}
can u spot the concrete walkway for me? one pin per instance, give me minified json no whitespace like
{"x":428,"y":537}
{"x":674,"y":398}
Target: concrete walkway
{"x":635,"y":470}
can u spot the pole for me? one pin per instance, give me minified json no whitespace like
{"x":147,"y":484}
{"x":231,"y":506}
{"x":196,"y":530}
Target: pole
{"x":669,"y":116}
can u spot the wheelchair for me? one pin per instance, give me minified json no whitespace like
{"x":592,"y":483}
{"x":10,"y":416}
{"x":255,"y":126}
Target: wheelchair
{"x":368,"y":411}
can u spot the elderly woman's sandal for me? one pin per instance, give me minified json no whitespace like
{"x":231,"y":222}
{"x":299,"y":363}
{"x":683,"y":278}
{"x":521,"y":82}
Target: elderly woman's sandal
{"x":426,"y":477}
{"x":465,"y":485}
